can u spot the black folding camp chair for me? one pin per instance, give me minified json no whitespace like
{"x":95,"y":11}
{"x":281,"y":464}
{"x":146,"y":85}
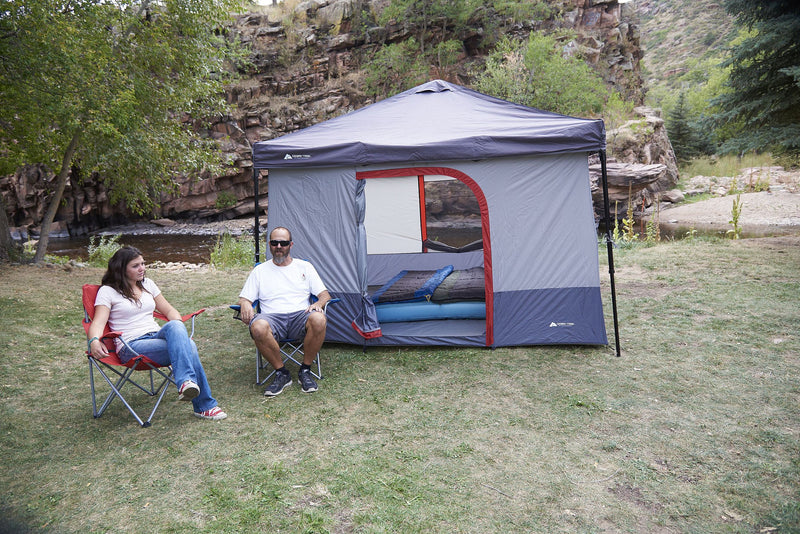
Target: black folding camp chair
{"x":291,"y":350}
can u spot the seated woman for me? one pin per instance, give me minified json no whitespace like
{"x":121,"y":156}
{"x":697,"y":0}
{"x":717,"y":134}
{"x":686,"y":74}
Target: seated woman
{"x":126,"y":301}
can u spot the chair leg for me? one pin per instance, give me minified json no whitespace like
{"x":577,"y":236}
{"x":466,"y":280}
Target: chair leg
{"x":124,"y":378}
{"x":290,"y":350}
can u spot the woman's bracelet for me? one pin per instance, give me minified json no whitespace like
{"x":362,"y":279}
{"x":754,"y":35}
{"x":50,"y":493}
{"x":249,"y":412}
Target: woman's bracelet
{"x":92,"y":340}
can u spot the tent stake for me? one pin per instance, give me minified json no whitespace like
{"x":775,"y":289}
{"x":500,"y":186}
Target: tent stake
{"x":609,"y":246}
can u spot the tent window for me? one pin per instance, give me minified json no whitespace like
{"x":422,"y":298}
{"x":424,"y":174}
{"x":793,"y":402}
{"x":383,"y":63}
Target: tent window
{"x":412,"y":214}
{"x":392,"y":218}
{"x":452,"y":213}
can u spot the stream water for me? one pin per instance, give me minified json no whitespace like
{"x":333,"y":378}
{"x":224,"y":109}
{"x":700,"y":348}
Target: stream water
{"x":166,"y":248}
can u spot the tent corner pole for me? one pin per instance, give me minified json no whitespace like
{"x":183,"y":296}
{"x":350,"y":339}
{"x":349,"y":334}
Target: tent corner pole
{"x":609,"y":247}
{"x":256,"y":223}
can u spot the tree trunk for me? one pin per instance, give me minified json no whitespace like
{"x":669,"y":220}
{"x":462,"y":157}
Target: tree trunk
{"x":55,"y":201}
{"x":6,"y":242}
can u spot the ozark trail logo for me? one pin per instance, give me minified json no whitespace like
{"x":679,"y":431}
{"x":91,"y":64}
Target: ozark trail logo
{"x":554,"y":324}
{"x":297,"y":156}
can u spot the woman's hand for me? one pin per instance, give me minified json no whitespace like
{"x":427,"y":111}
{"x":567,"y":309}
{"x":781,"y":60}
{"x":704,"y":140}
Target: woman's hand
{"x":98,"y":349}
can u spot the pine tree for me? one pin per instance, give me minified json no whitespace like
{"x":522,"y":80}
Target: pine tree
{"x":680,"y":131}
{"x":763,"y":104}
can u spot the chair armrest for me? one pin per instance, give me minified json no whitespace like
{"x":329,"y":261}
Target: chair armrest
{"x":237,"y":310}
{"x":184,"y":318}
{"x":332,"y":301}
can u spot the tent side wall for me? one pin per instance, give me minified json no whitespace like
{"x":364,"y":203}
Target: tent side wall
{"x":545,"y":268}
{"x":545,"y":265}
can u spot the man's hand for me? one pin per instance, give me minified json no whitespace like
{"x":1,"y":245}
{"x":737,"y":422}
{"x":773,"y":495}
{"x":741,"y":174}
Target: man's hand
{"x":246,"y":312}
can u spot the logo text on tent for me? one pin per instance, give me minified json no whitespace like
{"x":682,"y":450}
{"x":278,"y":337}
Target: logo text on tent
{"x":297,"y":156}
{"x":554,"y":324}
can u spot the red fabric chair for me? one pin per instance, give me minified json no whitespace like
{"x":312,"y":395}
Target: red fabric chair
{"x":117,"y":374}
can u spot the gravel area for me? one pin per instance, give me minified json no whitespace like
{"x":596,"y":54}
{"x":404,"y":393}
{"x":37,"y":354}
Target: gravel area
{"x":167,"y":226}
{"x":777,"y":209}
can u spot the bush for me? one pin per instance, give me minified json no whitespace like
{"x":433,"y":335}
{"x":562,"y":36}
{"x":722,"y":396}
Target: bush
{"x":100,"y":250}
{"x":225,"y":200}
{"x":230,"y":252}
{"x":536,"y":73}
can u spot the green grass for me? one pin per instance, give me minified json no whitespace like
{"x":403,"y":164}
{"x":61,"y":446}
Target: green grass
{"x":694,"y":429}
{"x":730,"y":165}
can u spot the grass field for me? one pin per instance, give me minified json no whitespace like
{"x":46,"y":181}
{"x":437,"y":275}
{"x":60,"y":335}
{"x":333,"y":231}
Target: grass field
{"x":694,"y":429}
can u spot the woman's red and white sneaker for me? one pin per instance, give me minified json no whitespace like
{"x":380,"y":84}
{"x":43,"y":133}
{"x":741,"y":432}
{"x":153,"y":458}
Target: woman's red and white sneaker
{"x":188,"y":391}
{"x":214,"y":414}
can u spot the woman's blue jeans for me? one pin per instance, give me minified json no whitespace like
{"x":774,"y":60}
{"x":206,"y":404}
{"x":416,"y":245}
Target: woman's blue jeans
{"x":171,"y":345}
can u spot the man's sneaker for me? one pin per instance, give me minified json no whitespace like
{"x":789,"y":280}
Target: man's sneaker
{"x":306,"y":381}
{"x":215,"y":414}
{"x":188,"y":391}
{"x":279,"y":383}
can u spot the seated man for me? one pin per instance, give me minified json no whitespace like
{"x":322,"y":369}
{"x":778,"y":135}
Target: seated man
{"x":283,"y":287}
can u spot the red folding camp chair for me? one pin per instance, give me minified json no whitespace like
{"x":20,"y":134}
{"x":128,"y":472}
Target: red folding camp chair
{"x":117,"y":374}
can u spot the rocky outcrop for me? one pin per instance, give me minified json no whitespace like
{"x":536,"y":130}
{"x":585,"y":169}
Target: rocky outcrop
{"x":304,"y":68}
{"x":641,"y":167}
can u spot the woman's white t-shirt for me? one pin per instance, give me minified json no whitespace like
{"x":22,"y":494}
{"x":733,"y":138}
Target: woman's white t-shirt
{"x":133,"y":319}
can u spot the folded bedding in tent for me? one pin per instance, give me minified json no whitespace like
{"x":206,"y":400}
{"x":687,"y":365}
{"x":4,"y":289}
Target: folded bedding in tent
{"x":431,"y":295}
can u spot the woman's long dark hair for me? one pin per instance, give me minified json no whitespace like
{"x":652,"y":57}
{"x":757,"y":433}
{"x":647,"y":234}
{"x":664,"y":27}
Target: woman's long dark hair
{"x":115,"y":274}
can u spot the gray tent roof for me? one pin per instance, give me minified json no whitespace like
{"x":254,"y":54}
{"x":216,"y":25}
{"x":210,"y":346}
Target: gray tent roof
{"x":436,"y":121}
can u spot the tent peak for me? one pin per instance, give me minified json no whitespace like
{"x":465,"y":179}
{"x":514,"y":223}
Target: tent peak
{"x":434,"y":86}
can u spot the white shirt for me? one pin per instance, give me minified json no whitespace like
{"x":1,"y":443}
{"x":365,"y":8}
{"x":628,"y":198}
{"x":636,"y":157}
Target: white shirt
{"x":133,"y":319}
{"x":282,"y":289}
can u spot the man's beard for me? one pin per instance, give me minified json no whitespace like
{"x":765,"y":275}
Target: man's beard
{"x":279,"y":258}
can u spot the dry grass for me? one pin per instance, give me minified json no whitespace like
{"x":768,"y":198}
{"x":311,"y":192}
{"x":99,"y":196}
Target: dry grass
{"x":694,"y":429}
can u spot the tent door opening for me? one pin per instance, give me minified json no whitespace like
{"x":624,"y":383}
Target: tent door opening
{"x":422,"y":224}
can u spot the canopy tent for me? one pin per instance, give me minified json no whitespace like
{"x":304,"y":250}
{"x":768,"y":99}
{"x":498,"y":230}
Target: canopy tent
{"x":352,"y":191}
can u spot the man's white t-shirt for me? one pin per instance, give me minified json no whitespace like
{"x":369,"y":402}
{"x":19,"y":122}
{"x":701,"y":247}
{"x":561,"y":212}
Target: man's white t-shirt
{"x":133,"y":319}
{"x":282,"y":289}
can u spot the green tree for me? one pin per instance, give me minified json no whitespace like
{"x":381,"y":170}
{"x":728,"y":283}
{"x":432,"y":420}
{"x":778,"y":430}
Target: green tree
{"x":430,"y":18}
{"x":538,"y":74}
{"x":762,"y":108}
{"x":103,"y":86}
{"x":680,"y":131}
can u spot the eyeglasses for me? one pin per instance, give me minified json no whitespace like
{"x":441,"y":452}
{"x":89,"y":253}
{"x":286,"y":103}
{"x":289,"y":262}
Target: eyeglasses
{"x":275,"y":243}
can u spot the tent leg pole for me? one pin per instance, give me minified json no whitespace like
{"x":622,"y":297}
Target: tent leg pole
{"x":256,"y":223}
{"x":609,"y":247}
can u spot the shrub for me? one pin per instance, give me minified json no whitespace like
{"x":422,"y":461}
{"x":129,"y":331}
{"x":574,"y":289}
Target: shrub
{"x":230,"y":252}
{"x":225,"y":200}
{"x":100,"y":250}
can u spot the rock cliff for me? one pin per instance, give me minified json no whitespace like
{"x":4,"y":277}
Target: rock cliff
{"x":304,"y":68}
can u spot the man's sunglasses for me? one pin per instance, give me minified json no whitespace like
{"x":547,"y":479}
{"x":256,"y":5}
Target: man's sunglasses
{"x":275,"y":243}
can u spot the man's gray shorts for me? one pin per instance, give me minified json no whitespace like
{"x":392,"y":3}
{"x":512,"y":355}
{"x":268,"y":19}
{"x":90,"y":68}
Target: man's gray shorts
{"x":285,"y":325}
